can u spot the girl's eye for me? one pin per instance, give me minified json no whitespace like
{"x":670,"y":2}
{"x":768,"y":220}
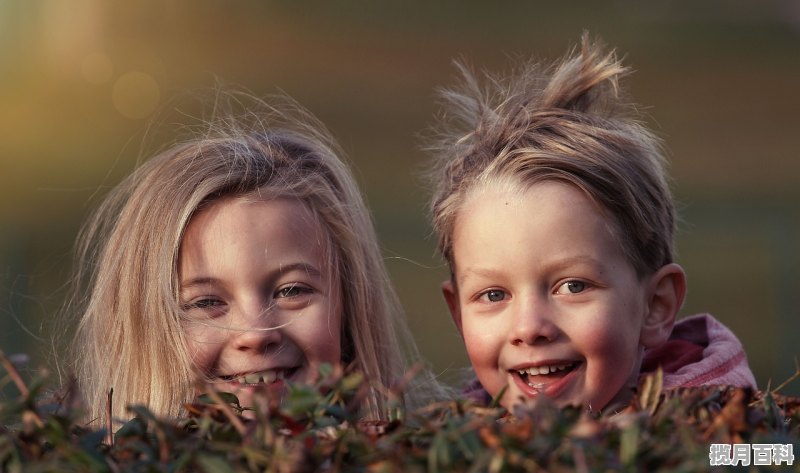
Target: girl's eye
{"x":204,"y":303}
{"x":494,"y":295}
{"x":292,"y":290}
{"x":571,"y":287}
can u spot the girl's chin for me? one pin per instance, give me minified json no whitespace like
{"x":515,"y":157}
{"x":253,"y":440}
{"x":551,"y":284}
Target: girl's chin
{"x":249,"y":394}
{"x":254,"y":395}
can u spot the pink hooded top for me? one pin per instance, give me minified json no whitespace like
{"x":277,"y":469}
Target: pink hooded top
{"x":700,"y":351}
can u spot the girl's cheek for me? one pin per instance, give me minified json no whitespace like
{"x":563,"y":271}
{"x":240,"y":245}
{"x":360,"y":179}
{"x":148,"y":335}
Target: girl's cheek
{"x":203,"y":349}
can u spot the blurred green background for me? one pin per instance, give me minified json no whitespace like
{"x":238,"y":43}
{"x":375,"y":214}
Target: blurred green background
{"x":87,"y":87}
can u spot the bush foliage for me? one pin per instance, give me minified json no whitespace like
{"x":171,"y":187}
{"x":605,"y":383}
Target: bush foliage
{"x":317,"y":428}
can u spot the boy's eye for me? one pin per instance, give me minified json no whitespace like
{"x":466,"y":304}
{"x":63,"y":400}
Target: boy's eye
{"x":494,"y":295}
{"x":571,"y":287}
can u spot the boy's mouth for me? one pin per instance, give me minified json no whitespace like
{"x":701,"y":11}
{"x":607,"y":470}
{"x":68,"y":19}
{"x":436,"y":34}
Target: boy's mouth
{"x":537,"y":378}
{"x":260,"y":377}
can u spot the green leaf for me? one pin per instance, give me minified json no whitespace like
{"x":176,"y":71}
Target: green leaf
{"x":302,"y":399}
{"x":133,"y":428}
{"x":496,"y":400}
{"x":213,"y":464}
{"x":325,"y":370}
{"x":228,"y":398}
{"x":352,"y":382}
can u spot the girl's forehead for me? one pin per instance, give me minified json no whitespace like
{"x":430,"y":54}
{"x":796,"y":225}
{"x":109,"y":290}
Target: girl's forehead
{"x":243,"y":231}
{"x":241,"y":203}
{"x":247,"y":213}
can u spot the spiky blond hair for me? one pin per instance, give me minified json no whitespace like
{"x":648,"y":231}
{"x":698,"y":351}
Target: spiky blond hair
{"x":567,"y":122}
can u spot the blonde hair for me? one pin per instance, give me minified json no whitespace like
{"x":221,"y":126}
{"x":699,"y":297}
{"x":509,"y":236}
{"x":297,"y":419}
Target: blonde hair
{"x":566,"y":123}
{"x":129,"y":335}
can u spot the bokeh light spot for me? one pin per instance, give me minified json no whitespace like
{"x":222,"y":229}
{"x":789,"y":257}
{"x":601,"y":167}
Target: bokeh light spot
{"x":136,"y":94}
{"x":97,"y":68}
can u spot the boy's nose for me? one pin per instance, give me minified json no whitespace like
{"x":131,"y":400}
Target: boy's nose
{"x":532,"y":324}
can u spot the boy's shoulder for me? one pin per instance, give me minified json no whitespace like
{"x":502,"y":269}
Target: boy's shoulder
{"x":700,"y":351}
{"x":474,"y":391}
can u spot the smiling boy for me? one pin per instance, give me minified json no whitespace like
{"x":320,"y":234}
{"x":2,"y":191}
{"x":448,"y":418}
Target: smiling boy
{"x":554,"y":215}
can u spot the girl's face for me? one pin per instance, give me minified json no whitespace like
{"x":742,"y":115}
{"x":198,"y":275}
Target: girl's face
{"x":260,"y":301}
{"x":544,"y":298}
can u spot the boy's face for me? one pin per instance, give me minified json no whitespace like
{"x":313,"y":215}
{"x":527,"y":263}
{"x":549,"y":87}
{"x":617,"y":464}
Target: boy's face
{"x":260,"y":303}
{"x":544,"y":298}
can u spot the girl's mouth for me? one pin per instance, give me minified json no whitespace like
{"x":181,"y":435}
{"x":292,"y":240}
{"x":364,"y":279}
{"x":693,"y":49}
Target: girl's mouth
{"x":543,"y":379}
{"x":261,"y":377}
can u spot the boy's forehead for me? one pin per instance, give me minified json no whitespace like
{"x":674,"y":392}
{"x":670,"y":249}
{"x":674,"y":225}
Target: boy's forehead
{"x":497,"y":186}
{"x":511,"y":191}
{"x":549,"y":218}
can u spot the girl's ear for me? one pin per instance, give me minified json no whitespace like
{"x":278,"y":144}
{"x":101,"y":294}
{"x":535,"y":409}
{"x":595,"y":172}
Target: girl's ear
{"x":666,"y":291}
{"x":450,"y":293}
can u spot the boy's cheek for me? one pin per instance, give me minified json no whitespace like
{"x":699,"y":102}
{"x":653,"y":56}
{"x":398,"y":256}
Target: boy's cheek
{"x":482,"y":340}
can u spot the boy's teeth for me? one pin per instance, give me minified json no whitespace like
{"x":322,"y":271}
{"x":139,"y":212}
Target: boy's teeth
{"x":537,"y":370}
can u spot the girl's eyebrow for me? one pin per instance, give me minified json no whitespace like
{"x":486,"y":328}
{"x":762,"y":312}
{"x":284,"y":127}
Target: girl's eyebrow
{"x":199,"y":281}
{"x":304,"y":267}
{"x":307,"y":268}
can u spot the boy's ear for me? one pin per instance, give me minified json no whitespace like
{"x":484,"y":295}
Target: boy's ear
{"x":666,"y":292}
{"x":450,"y":293}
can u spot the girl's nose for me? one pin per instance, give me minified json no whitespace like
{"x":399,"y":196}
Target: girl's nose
{"x":258,"y":331}
{"x":258,"y":339}
{"x":532,"y":323}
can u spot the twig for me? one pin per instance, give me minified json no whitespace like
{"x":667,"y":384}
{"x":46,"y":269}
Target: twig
{"x":29,"y":414}
{"x":226,"y":409}
{"x":14,"y":374}
{"x":791,"y":378}
{"x":580,"y":459}
{"x":109,"y":427}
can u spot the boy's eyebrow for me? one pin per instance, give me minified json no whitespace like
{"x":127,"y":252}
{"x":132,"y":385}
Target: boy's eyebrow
{"x":480,"y":272}
{"x":573,"y":260}
{"x":307,"y":268}
{"x":491,"y":273}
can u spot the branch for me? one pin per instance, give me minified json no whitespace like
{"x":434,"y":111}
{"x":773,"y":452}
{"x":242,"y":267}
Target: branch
{"x":14,"y":374}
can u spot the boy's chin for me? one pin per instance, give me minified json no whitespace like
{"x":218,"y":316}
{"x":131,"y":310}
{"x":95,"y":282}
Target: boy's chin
{"x":619,"y":402}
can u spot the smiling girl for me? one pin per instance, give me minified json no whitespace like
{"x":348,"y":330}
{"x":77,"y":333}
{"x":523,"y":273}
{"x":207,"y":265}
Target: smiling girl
{"x":554,"y":215}
{"x":245,"y":258}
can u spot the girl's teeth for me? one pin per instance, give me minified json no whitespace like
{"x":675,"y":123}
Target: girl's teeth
{"x":264,"y":377}
{"x":537,"y":370}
